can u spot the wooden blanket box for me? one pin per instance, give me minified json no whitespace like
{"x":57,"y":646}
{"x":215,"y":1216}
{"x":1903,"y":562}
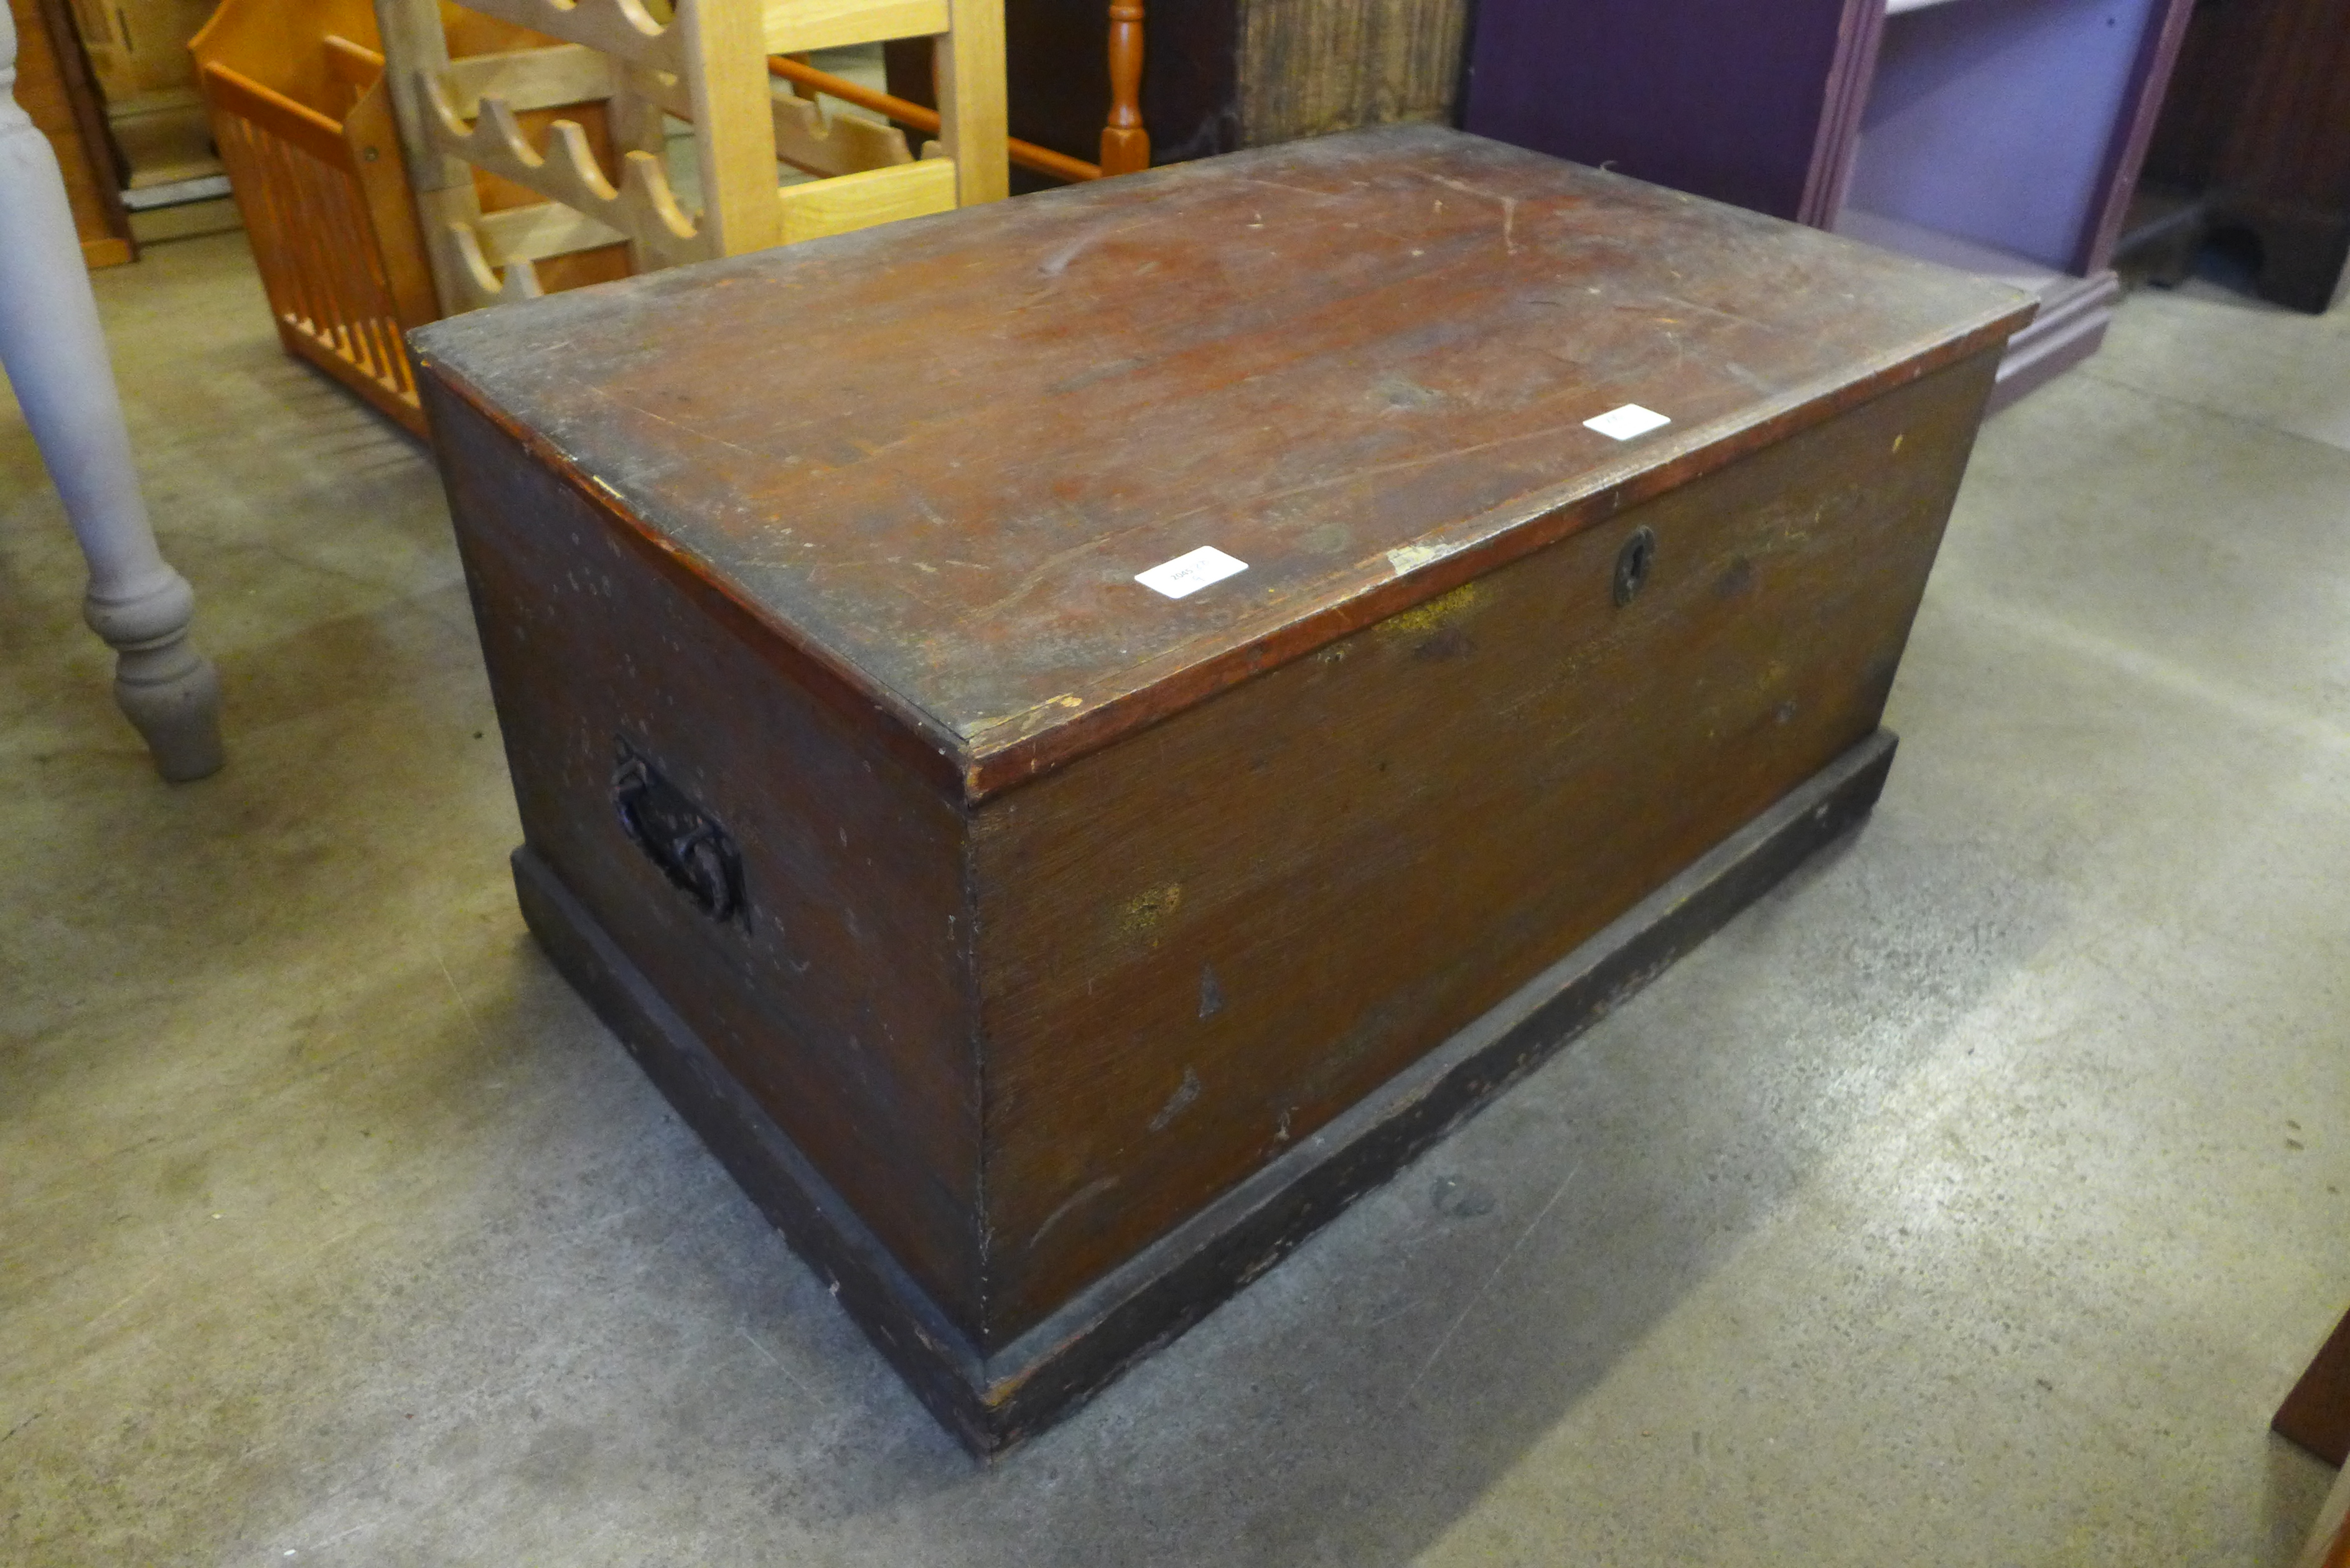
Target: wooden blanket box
{"x":1073,"y":737}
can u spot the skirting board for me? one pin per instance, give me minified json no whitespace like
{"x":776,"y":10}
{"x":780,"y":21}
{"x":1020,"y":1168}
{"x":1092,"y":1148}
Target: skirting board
{"x":2074,"y":315}
{"x":991,"y":1402}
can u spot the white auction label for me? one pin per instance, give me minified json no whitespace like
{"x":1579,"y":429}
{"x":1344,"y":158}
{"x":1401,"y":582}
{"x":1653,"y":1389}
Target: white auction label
{"x":1188,"y":573}
{"x":1627,"y":421}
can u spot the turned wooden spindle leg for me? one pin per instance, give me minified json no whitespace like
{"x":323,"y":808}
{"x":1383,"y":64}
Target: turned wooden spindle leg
{"x":1125,"y":144}
{"x":57,"y":361}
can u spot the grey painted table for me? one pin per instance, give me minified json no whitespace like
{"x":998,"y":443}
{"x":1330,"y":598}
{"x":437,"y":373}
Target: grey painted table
{"x":57,"y":361}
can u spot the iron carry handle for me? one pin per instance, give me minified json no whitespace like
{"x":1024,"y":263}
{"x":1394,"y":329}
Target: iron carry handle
{"x":686,"y":842}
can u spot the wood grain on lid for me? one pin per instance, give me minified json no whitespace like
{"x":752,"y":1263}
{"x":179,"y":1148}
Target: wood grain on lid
{"x":936,"y":455}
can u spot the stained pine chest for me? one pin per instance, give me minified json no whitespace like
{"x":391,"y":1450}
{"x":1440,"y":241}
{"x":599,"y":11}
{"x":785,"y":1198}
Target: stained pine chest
{"x":1074,"y":737}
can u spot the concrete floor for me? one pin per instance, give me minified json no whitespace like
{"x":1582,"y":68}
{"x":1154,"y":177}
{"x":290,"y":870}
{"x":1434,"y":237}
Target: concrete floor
{"x":1972,"y":1200}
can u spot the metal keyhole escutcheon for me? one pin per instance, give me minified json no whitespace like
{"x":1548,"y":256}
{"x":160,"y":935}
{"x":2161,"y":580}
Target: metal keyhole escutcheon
{"x":1632,"y":564}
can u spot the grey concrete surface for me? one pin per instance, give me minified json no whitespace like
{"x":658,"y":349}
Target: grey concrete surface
{"x":1971,"y":1200}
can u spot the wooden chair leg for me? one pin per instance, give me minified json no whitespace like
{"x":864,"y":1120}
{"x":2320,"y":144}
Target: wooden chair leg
{"x":57,"y":360}
{"x":1125,"y":144}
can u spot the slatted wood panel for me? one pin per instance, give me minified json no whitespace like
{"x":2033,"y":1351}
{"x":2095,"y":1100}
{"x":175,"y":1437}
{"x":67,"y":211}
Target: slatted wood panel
{"x":297,"y":184}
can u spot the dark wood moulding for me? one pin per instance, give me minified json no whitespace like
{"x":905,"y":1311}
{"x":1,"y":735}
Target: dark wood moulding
{"x":991,"y":1402}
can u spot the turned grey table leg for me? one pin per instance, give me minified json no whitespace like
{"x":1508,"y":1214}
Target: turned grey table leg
{"x":56,"y":360}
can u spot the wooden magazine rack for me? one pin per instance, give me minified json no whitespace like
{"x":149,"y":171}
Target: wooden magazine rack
{"x":302,"y":113}
{"x":532,"y":133}
{"x":307,"y":135}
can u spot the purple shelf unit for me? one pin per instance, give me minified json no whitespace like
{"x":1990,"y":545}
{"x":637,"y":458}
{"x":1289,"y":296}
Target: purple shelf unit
{"x":2001,"y":136}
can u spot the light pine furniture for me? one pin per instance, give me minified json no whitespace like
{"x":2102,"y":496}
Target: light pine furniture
{"x":304,"y":124}
{"x":704,"y":62}
{"x":540,"y":157}
{"x":2004,"y":137}
{"x":138,"y":49}
{"x":808,"y":82}
{"x":54,"y":89}
{"x":1124,"y":139}
{"x":57,"y":361}
{"x":152,"y":108}
{"x":1217,"y":75}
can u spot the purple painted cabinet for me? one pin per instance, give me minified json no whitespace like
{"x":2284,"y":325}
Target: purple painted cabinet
{"x":2001,"y":136}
